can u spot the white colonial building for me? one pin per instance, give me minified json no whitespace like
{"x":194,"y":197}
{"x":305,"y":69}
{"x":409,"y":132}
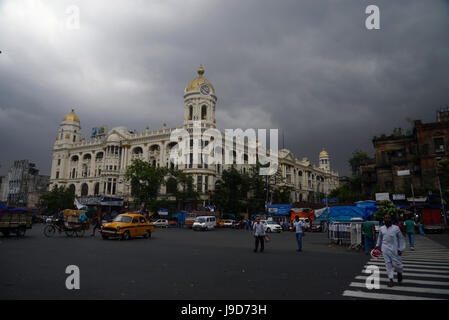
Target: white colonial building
{"x":97,"y":167}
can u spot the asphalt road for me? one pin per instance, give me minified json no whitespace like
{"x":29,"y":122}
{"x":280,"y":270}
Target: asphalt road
{"x":176,"y":264}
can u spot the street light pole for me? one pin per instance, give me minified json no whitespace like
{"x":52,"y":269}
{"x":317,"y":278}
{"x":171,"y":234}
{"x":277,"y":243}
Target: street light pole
{"x":442,"y":203}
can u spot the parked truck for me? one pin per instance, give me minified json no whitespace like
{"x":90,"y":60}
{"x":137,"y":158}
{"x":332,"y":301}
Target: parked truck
{"x":14,"y":220}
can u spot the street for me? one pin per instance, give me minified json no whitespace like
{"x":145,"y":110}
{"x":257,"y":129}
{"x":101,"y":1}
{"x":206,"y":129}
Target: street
{"x":176,"y":264}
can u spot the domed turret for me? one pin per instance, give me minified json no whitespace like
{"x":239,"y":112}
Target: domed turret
{"x":324,"y":160}
{"x":200,"y":84}
{"x":199,"y":102}
{"x":69,"y":130}
{"x":71,"y":117}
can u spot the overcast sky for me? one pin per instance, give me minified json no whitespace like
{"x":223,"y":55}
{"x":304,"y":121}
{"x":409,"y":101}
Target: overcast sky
{"x":309,"y":68}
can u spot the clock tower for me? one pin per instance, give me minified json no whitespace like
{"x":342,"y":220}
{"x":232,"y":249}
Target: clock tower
{"x":199,"y":102}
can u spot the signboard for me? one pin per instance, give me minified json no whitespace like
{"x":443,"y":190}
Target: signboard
{"x":98,"y":132}
{"x":277,"y":209}
{"x":382,"y":196}
{"x":403,"y":173}
{"x":114,"y":202}
{"x":398,"y":196}
{"x":163,"y":212}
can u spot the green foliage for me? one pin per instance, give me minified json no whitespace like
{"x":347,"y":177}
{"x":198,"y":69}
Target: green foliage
{"x":146,"y":180}
{"x":58,"y":198}
{"x":344,"y":193}
{"x":231,"y":191}
{"x":358,"y":158}
{"x":387,"y":207}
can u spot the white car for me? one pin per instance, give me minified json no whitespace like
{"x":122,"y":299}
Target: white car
{"x":163,"y":223}
{"x":271,"y":226}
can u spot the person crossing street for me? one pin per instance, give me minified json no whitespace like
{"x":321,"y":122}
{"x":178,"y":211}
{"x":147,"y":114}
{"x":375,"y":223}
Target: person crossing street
{"x":392,"y":244}
{"x":259,"y":234}
{"x":299,"y":229}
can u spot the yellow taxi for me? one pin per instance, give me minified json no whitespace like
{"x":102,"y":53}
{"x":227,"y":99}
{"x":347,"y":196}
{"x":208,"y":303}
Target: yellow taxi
{"x":126,"y":226}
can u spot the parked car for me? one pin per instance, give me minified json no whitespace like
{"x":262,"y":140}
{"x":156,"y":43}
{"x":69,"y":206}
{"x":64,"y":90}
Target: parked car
{"x":228,"y":223}
{"x":316,"y":226}
{"x":126,"y":226}
{"x":204,"y":223}
{"x":162,"y":223}
{"x":271,"y":226}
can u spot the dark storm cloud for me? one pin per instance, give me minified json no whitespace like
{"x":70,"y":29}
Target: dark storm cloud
{"x":309,"y":68}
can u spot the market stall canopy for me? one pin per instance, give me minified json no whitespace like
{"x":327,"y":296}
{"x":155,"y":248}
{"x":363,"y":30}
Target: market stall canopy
{"x":342,"y":213}
{"x":368,"y":206}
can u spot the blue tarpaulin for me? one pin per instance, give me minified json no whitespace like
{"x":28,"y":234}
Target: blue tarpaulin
{"x":368,"y":206}
{"x":277,"y":209}
{"x":181,"y":216}
{"x":342,"y":213}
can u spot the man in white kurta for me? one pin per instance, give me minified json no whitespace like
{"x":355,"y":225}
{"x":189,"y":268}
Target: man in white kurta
{"x":392,"y":243}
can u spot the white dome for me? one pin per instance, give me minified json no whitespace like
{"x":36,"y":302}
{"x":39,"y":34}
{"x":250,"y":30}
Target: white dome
{"x":114,"y":138}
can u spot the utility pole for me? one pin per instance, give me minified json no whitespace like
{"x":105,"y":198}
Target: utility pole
{"x":441,"y":194}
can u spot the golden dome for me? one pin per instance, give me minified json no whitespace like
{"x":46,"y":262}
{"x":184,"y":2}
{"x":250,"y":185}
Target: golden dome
{"x":194,"y":85}
{"x":71,"y":117}
{"x":324,"y":153}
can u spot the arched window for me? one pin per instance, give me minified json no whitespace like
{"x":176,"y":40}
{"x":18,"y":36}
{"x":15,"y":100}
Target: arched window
{"x":75,"y":158}
{"x":190,"y":112}
{"x":97,"y":189}
{"x":137,"y":150}
{"x":99,"y":156}
{"x":204,"y":112}
{"x":84,"y":189}
{"x":72,"y":188}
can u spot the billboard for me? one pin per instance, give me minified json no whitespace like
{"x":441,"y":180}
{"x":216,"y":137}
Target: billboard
{"x":382,"y":196}
{"x":398,"y":196}
{"x":98,"y":132}
{"x":403,"y":173}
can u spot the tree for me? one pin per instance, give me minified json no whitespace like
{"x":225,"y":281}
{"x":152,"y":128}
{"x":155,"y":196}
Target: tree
{"x":387,"y":207}
{"x":180,"y":185}
{"x":358,"y":159}
{"x":146,"y":180}
{"x":231,"y":191}
{"x":58,"y":198}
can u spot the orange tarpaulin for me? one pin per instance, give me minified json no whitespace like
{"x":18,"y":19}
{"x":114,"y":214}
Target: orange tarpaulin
{"x":309,"y":213}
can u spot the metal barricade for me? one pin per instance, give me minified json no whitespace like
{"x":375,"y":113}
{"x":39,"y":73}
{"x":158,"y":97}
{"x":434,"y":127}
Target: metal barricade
{"x":347,"y":234}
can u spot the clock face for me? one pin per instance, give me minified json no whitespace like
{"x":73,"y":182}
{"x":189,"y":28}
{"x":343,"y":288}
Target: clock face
{"x":204,"y":89}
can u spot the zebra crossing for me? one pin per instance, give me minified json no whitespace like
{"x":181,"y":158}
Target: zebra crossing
{"x":426,"y":275}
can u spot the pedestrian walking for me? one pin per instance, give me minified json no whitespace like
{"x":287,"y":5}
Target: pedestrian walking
{"x":410,"y":230}
{"x":298,"y":225}
{"x":96,"y":220}
{"x":259,"y":234}
{"x":392,"y":243}
{"x":369,"y":233}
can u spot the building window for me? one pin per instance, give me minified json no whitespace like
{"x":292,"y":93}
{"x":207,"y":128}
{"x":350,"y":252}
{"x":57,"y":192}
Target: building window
{"x":439,"y":145}
{"x":190,"y":112}
{"x":203,"y":112}
{"x":57,"y":174}
{"x":59,"y":162}
{"x":206,"y":183}
{"x":199,"y":183}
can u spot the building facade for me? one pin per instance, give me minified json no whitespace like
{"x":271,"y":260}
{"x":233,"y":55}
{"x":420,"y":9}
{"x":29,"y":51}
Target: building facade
{"x":411,"y":158}
{"x":24,"y":185}
{"x":97,"y":167}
